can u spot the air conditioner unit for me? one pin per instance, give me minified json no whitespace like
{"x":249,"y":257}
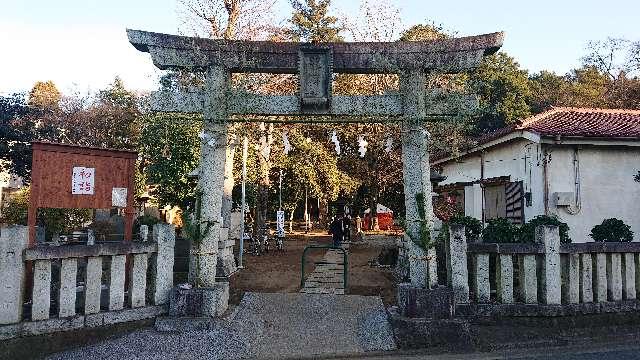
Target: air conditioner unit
{"x":564,"y":198}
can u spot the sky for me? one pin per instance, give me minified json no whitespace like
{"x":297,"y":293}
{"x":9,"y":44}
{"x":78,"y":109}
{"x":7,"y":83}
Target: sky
{"x":81,"y":45}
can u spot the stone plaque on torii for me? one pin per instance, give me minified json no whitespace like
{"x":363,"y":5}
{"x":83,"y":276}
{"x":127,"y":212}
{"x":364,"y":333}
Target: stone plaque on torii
{"x":315,"y":64}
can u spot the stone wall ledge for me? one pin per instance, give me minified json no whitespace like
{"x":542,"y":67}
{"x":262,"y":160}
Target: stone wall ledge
{"x":533,"y":249}
{"x":543,"y":310}
{"x":32,"y":328}
{"x":44,"y":252}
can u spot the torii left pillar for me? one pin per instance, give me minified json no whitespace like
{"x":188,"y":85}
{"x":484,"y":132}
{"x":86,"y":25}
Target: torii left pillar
{"x":211,"y":183}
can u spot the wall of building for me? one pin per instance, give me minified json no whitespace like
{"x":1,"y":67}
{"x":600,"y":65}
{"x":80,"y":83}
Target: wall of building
{"x":607,"y":186}
{"x":520,"y":159}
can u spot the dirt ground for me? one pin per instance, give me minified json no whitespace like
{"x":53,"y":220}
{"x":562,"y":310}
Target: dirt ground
{"x":279,"y":271}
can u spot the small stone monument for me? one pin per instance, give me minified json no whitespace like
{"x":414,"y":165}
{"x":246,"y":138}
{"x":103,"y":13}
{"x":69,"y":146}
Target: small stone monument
{"x":91,"y":238}
{"x":144,"y":233}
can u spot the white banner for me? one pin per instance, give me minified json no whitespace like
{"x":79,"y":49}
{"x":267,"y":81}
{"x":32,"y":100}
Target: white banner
{"x":280,"y":223}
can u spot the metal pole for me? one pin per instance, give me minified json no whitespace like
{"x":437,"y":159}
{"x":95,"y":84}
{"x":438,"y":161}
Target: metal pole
{"x":245,"y":149}
{"x":280,"y":206}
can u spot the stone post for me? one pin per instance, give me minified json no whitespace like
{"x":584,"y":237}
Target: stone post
{"x":481,"y":285}
{"x":629,"y":277}
{"x":549,"y":236}
{"x":571,"y":278}
{"x":528,"y":279}
{"x":504,"y":278}
{"x":586,"y":278}
{"x":211,"y":182}
{"x":165,"y":236}
{"x":457,"y":253}
{"x":13,"y":242}
{"x":415,"y":160}
{"x":599,"y":265}
{"x":614,"y":277}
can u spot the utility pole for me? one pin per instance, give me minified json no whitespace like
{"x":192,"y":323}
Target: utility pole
{"x":245,"y":149}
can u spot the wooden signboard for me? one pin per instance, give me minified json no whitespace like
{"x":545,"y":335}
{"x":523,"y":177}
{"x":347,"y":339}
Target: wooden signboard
{"x":67,"y":176}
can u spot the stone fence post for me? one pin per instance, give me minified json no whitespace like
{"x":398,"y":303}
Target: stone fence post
{"x":551,"y":282}
{"x":13,"y":241}
{"x":165,"y":236}
{"x":457,"y":264}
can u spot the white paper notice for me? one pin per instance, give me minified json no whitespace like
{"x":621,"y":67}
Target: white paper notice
{"x":82,"y":181}
{"x":119,"y":197}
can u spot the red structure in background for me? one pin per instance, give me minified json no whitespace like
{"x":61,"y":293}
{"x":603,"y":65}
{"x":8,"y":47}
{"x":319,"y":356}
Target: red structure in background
{"x":53,"y":182}
{"x":384,"y":215}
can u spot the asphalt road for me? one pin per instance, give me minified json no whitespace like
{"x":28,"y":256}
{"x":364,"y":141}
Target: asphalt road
{"x":583,"y":352}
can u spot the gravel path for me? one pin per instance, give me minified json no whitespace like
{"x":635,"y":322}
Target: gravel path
{"x":264,"y":325}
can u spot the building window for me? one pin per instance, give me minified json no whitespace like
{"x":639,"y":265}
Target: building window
{"x":504,"y":200}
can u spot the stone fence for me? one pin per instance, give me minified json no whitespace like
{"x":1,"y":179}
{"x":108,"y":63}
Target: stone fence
{"x":57,"y":288}
{"x":546,"y":278}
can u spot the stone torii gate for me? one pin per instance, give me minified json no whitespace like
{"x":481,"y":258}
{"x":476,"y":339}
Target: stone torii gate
{"x":315,"y":63}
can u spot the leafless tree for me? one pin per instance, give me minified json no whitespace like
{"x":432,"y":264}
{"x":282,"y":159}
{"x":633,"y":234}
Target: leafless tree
{"x":227,"y":19}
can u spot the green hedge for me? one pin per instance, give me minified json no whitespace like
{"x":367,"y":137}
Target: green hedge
{"x":528,"y":230}
{"x":612,"y":230}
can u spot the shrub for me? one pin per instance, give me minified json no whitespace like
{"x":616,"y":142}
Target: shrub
{"x":55,"y":221}
{"x":500,"y":230}
{"x":612,"y":230}
{"x":472,"y":226}
{"x":15,"y":210}
{"x":528,"y":230}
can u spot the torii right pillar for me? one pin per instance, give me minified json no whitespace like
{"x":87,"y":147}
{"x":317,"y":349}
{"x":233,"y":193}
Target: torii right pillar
{"x":415,"y":163}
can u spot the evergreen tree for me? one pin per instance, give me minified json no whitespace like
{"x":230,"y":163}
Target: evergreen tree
{"x":311,"y":22}
{"x":503,"y":89}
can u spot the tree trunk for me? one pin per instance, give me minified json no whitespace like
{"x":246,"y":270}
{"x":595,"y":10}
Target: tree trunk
{"x":291,"y":220}
{"x":373,"y":208}
{"x":323,"y":211}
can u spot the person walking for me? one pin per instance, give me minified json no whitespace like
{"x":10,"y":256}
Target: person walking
{"x":336,"y":231}
{"x":346,"y":228}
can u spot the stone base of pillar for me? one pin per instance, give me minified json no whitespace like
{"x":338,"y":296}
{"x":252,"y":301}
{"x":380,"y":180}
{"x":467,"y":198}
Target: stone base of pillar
{"x":418,"y":302}
{"x":199,"y":302}
{"x":226,"y":260}
{"x":418,"y":271}
{"x":421,"y":333}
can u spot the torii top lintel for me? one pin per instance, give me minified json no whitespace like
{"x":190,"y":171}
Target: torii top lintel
{"x":448,"y":55}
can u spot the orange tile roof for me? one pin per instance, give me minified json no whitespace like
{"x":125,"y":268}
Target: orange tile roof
{"x":573,"y":122}
{"x":584,"y":122}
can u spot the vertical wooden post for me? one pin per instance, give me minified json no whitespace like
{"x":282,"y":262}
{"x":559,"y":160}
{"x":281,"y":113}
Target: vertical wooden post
{"x":129,"y":210}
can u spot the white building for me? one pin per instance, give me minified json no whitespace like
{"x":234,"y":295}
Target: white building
{"x":580,"y":164}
